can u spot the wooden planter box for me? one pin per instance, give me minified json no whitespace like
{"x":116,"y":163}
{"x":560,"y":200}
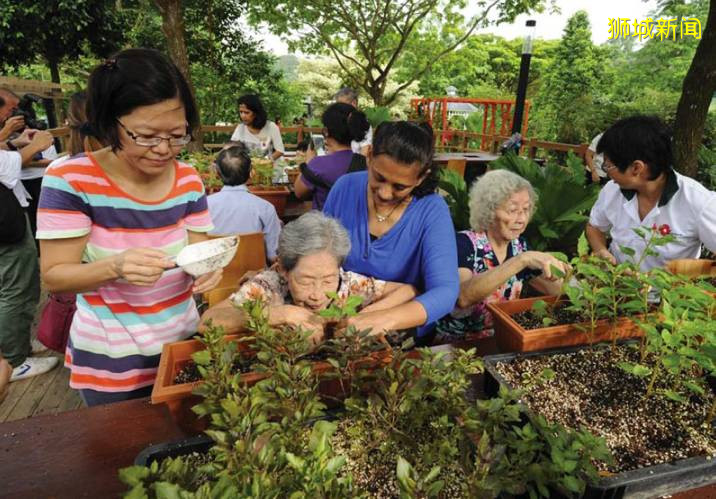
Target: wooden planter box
{"x":180,"y":398}
{"x":692,"y":267}
{"x":277,"y":195}
{"x":511,"y":337}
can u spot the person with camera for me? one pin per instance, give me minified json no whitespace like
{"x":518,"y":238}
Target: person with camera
{"x":19,"y":272}
{"x":16,"y":114}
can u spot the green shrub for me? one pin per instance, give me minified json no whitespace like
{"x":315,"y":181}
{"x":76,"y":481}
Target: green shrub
{"x":457,"y":198}
{"x":377,"y":115}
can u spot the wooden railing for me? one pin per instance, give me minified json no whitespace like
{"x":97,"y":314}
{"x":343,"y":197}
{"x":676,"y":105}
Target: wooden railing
{"x":460,"y":142}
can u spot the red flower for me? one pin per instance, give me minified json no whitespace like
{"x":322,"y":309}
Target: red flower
{"x":665,"y":230}
{"x":654,"y":227}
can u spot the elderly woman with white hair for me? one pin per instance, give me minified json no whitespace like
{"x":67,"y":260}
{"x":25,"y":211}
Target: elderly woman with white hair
{"x":493,"y":259}
{"x":311,"y":250}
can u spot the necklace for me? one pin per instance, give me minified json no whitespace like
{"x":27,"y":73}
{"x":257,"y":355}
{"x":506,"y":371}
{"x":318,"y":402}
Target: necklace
{"x":383,"y":218}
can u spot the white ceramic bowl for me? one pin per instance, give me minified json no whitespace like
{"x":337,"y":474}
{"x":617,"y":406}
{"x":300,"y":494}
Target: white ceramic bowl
{"x":207,"y":256}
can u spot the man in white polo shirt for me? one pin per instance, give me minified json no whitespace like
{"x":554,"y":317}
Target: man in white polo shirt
{"x":646,"y":191}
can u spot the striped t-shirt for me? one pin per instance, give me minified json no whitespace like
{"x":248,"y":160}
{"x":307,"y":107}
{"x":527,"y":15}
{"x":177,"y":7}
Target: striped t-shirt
{"x":117,"y":333}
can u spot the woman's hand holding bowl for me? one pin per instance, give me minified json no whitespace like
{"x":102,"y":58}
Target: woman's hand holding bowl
{"x":141,"y":266}
{"x":208,"y":281}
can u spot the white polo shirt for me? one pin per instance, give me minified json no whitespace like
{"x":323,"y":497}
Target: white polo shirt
{"x":10,"y":169}
{"x":685,"y":205}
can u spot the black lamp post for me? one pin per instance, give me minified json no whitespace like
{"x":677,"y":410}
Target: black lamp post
{"x":524,"y":73}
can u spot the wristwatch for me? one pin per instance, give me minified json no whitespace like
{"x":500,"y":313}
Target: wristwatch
{"x":10,"y":146}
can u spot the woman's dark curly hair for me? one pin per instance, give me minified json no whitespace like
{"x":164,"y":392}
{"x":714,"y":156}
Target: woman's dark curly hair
{"x":254,"y":104}
{"x":409,"y":143}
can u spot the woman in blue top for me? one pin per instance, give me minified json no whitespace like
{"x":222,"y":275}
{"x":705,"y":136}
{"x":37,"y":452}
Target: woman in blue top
{"x":400,"y":229}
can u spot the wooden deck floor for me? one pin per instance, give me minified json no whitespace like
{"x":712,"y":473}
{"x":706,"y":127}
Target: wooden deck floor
{"x":46,"y":394}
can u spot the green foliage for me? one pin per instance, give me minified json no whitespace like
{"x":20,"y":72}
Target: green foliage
{"x":456,"y":197}
{"x":574,"y":79}
{"x":485,"y":66}
{"x":341,"y":309}
{"x":543,"y":310}
{"x":678,"y":339}
{"x":369,"y":51}
{"x":225,"y":63}
{"x":564,"y":200}
{"x":270,"y":439}
{"x":529,"y":458}
{"x":707,"y":168}
{"x":377,"y":115}
{"x":262,"y":171}
{"x":70,"y":30}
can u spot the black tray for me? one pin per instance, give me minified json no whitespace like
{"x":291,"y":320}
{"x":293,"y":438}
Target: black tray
{"x":648,"y":482}
{"x":159,"y":452}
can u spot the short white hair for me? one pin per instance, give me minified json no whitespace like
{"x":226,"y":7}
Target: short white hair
{"x":491,"y":191}
{"x":311,"y":233}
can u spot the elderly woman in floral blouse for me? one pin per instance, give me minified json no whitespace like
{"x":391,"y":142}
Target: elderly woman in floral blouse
{"x":493,"y":258}
{"x":311,"y":251}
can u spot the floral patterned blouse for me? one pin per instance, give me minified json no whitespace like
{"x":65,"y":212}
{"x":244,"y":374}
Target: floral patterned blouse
{"x":474,"y":252}
{"x":270,"y":287}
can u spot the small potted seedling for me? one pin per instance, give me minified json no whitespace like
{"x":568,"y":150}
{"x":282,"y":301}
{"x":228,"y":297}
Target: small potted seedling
{"x":262,"y":184}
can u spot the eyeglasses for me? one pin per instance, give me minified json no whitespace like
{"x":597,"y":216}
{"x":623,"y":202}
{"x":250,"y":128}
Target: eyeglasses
{"x":608,"y":166}
{"x":143,"y":141}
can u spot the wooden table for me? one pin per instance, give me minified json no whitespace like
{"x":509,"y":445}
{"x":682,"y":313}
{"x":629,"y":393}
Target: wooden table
{"x":78,"y":453}
{"x":475,"y":162}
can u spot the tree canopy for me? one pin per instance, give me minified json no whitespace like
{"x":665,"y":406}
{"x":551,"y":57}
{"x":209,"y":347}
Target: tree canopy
{"x":56,"y":31}
{"x":368,"y":38}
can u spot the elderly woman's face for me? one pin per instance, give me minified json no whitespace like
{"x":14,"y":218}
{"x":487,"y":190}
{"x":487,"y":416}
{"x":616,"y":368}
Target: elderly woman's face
{"x":512,"y":216}
{"x":312,"y":278}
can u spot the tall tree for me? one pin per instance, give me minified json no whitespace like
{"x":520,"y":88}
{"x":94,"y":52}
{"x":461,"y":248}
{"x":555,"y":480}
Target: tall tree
{"x":56,"y":30}
{"x":173,"y":29}
{"x":696,"y":94}
{"x":368,"y":37}
{"x":574,"y":79}
{"x":223,"y":62}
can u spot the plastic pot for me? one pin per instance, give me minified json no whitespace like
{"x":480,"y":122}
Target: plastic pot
{"x":647,"y":482}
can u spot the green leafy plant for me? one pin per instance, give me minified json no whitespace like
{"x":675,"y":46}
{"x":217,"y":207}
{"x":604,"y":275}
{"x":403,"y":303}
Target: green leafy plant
{"x":543,"y":311}
{"x":270,"y":439}
{"x":377,"y":115}
{"x":531,"y":457}
{"x":262,"y":169}
{"x":456,"y":197}
{"x":339,"y":309}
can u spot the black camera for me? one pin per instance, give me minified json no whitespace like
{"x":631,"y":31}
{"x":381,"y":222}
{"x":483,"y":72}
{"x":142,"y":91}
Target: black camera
{"x":24,"y":109}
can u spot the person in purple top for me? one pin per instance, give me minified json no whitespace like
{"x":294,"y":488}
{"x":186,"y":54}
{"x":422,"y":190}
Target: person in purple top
{"x":342,"y":123}
{"x":400,"y":229}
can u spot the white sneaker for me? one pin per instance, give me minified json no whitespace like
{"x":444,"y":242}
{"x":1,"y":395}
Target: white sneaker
{"x":37,"y":347}
{"x":32,"y":367}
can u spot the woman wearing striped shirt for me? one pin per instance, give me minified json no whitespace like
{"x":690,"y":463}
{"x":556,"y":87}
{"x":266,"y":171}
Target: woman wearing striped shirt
{"x":110,"y":221}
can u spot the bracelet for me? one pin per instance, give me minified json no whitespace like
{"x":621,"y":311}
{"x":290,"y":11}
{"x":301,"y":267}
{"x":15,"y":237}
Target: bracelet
{"x":11,"y":146}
